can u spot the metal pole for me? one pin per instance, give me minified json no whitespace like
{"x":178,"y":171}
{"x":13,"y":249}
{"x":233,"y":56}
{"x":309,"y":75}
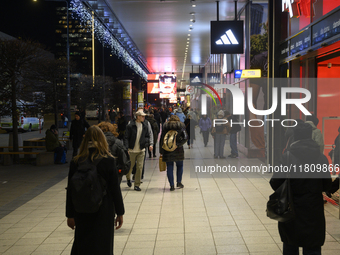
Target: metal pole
{"x":235,"y":9}
{"x":68,"y":83}
{"x":218,"y":10}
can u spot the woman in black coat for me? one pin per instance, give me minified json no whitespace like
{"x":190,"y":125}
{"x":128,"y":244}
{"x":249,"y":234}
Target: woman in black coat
{"x":307,"y":230}
{"x":94,"y":231}
{"x":178,"y":154}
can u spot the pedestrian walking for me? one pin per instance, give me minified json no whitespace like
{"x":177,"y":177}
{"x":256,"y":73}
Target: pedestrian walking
{"x":219,"y":133}
{"x":308,"y":228}
{"x":77,"y":131}
{"x":205,"y":125}
{"x":176,"y":156}
{"x":136,"y":139}
{"x":94,"y":232}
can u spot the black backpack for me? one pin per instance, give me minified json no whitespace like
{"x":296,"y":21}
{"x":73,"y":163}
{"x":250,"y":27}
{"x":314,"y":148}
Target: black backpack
{"x":122,"y":160}
{"x":88,"y":187}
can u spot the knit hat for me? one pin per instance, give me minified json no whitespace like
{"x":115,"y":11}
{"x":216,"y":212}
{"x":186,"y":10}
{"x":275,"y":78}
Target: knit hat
{"x":302,"y":131}
{"x":77,"y":113}
{"x":179,"y":110}
{"x":220,"y":113}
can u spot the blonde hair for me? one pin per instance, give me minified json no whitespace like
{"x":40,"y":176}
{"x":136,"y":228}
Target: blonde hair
{"x":94,"y":138}
{"x":108,"y":127}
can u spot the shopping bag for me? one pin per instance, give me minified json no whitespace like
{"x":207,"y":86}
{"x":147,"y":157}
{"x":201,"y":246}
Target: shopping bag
{"x":162,"y":165}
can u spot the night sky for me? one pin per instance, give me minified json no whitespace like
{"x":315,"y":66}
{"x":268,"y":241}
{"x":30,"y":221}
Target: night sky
{"x":29,"y":20}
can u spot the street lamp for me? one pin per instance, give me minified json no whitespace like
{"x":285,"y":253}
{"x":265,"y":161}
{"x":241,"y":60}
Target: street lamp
{"x":68,"y":81}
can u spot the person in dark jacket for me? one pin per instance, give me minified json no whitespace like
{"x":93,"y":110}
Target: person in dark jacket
{"x":307,"y":230}
{"x":53,"y":144}
{"x":114,"y":143}
{"x":155,"y":132}
{"x":136,"y":139}
{"x":121,"y":122}
{"x":190,"y":125}
{"x":77,"y":132}
{"x":178,"y":154}
{"x":205,"y":125}
{"x":158,"y":118}
{"x":234,"y":129}
{"x":94,"y":232}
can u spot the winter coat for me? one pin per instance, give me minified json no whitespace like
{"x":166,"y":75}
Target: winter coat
{"x":234,"y":129}
{"x":193,"y":115}
{"x":131,"y":135}
{"x":308,"y":228}
{"x":317,"y":136}
{"x":94,"y":231}
{"x":77,"y":131}
{"x":205,"y":124}
{"x":113,"y":143}
{"x":181,"y":116}
{"x":155,"y":128}
{"x":178,"y":154}
{"x":190,"y":125}
{"x":158,"y":118}
{"x":52,"y":140}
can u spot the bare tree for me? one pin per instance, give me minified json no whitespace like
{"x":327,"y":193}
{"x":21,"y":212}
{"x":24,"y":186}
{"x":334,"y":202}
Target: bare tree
{"x":19,"y":60}
{"x":91,"y":90}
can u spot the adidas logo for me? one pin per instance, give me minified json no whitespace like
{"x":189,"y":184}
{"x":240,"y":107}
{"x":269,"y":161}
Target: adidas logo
{"x":214,"y":80}
{"x":227,"y":38}
{"x":195,"y":80}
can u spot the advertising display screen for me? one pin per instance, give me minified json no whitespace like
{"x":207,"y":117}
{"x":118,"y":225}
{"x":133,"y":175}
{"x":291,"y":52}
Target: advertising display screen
{"x":167,"y":86}
{"x":153,"y":87}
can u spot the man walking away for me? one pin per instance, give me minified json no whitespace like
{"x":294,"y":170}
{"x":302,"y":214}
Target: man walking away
{"x":205,"y":125}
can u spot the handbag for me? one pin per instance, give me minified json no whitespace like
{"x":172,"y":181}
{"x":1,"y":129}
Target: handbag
{"x":162,"y":164}
{"x":280,"y":204}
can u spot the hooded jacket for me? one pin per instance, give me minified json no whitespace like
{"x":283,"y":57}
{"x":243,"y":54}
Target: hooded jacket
{"x":178,"y":154}
{"x":308,"y":228}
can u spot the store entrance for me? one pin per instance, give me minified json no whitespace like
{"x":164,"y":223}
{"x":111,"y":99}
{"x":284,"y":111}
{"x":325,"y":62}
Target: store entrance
{"x":328,"y":97}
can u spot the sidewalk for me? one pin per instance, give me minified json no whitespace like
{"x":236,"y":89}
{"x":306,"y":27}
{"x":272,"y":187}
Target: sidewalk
{"x":211,"y":215}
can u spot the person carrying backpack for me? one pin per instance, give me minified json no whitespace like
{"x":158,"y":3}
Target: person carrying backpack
{"x":90,"y":209}
{"x":117,"y":149}
{"x":171,"y":148}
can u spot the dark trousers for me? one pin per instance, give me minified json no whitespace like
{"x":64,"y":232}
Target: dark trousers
{"x":170,"y":172}
{"x":75,"y":151}
{"x":294,"y":250}
{"x":59,"y":151}
{"x":205,"y":135}
{"x":233,"y":144}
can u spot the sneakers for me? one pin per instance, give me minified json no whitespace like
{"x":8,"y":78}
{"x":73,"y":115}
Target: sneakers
{"x":172,"y":188}
{"x":129,"y":183}
{"x":222,"y":157}
{"x":180,"y":185}
{"x":215,"y":156}
{"x":137,"y":188}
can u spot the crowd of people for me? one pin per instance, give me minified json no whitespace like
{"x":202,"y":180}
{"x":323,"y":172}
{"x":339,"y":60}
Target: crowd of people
{"x":102,"y":147}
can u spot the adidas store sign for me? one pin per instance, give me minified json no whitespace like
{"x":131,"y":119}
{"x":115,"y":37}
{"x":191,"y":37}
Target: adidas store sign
{"x":226,"y":37}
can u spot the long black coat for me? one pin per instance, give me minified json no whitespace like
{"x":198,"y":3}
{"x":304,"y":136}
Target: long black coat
{"x":77,"y":131}
{"x":308,"y":229}
{"x":94,"y":232}
{"x":178,"y":154}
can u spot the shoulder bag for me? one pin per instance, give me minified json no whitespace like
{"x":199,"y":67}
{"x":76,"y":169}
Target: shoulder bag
{"x":280,"y":205}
